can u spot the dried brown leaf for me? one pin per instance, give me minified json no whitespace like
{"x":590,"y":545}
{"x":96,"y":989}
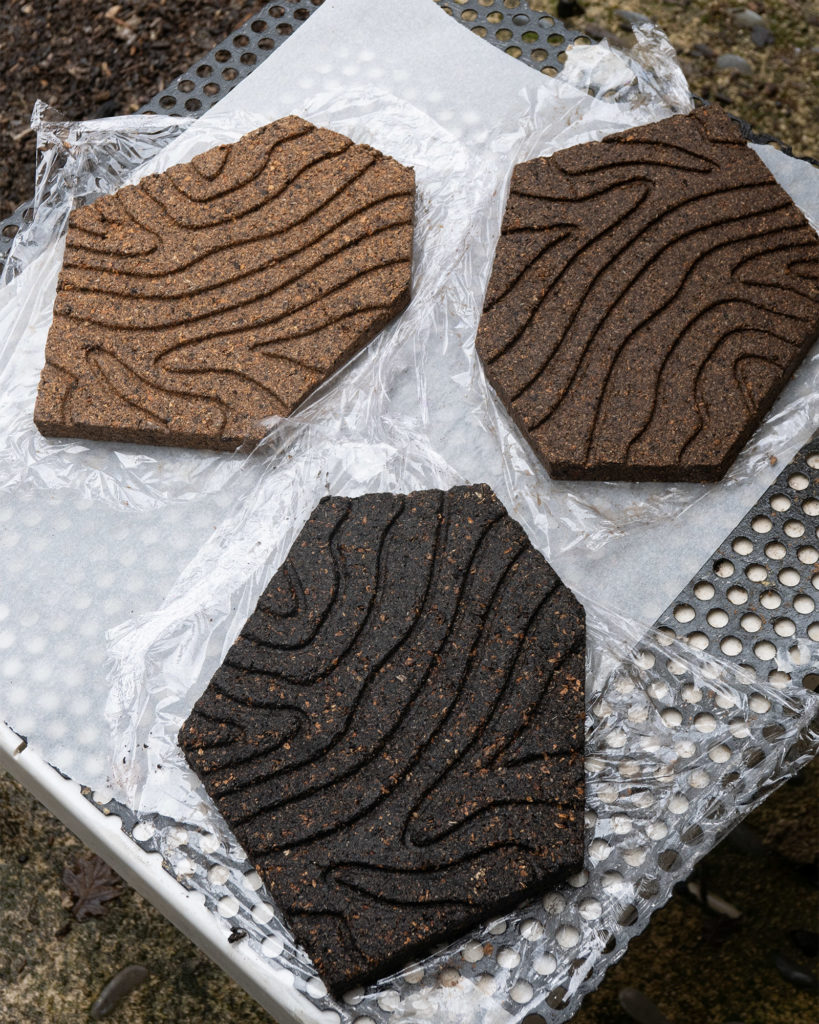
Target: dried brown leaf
{"x":92,"y":883}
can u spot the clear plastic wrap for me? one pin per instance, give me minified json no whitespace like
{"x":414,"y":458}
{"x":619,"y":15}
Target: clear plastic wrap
{"x":679,"y":742}
{"x":79,"y":162}
{"x":462,"y":190}
{"x":412,"y":411}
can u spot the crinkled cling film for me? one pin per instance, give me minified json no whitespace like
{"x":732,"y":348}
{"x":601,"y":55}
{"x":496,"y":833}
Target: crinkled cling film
{"x":81,"y":161}
{"x":678,"y":744}
{"x":412,"y":411}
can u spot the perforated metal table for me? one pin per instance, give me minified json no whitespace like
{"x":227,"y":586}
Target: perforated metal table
{"x":767,"y":563}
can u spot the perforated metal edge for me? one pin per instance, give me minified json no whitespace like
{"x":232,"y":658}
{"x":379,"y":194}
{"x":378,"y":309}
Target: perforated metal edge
{"x":220,"y":70}
{"x":799,"y":485}
{"x":764,"y":609}
{"x":535,"y":37}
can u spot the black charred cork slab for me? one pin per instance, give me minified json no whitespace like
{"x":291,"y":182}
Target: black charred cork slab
{"x":396,"y":737}
{"x":651,"y":295}
{"x":223,"y":291}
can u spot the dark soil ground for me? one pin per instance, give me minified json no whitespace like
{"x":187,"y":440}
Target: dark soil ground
{"x":777,"y":88}
{"x":94,"y":57}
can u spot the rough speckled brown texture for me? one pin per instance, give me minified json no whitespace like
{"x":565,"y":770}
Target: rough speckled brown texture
{"x":396,"y":737}
{"x":651,"y":294}
{"x":203,"y":299}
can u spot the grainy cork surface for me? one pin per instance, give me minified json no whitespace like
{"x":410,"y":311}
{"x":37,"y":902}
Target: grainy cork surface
{"x":651,"y":295}
{"x":396,"y":736}
{"x":201,"y":300}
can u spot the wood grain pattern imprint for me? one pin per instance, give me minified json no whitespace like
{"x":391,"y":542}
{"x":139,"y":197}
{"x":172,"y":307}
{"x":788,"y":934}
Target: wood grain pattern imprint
{"x":651,"y":295}
{"x":396,"y":736}
{"x":201,"y":300}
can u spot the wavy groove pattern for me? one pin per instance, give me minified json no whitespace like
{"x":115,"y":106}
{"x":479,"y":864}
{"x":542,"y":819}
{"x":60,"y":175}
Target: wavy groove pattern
{"x":396,"y":736}
{"x":202,"y":300}
{"x":651,"y":295}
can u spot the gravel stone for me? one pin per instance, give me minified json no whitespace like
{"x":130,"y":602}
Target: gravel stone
{"x":629,"y":18}
{"x":761,"y":36}
{"x":733,"y":62}
{"x":748,"y":18}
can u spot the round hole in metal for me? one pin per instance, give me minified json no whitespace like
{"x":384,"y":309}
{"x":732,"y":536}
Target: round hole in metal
{"x":765,"y":650}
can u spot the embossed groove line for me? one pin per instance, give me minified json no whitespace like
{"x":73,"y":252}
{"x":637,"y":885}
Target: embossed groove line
{"x":416,"y":627}
{"x":298,"y":336}
{"x":519,"y":332}
{"x":662,"y":251}
{"x":649,"y":346}
{"x":248,"y":276}
{"x":378,"y":746}
{"x":115,"y":202}
{"x":502,"y":690}
{"x":421,"y":681}
{"x":164,"y":279}
{"x":595,"y":240}
{"x":236,"y":225}
{"x":264,"y":292}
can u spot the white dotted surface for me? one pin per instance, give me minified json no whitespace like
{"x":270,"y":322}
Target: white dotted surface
{"x":72,"y":582}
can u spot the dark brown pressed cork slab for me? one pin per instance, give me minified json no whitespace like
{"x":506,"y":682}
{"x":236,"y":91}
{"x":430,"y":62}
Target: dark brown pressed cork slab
{"x":201,"y":300}
{"x":396,"y":736}
{"x":651,"y":295}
